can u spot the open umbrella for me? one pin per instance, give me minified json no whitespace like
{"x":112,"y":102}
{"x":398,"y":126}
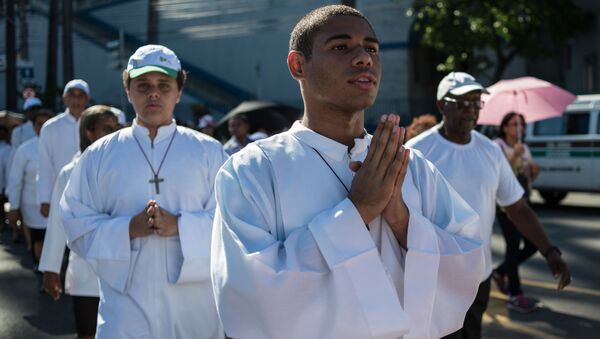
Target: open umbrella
{"x":11,"y":119}
{"x":267,"y":115}
{"x":534,"y":98}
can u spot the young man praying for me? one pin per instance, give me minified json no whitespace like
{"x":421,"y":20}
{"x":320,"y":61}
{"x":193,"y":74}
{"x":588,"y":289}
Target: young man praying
{"x":324,"y":231}
{"x":139,"y":208}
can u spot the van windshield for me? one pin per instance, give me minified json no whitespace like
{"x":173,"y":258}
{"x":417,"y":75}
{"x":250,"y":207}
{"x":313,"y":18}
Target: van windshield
{"x":568,"y":124}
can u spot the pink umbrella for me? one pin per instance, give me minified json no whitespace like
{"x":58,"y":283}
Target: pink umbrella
{"x":534,"y":98}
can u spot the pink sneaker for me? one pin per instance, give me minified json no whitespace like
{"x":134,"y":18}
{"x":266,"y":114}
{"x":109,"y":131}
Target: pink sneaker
{"x":521,"y":304}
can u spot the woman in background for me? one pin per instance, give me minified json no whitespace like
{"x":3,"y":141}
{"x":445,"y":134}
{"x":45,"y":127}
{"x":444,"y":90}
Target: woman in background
{"x":506,"y":275}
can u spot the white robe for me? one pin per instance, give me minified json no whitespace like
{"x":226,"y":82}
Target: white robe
{"x":5,"y":155}
{"x":292,"y":258}
{"x":21,"y":187}
{"x":80,"y":279}
{"x":22,"y":133}
{"x":151,"y":287}
{"x":59,"y":141}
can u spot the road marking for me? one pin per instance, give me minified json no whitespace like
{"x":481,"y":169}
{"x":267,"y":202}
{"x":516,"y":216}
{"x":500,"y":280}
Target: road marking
{"x":552,"y":286}
{"x":498,"y":295}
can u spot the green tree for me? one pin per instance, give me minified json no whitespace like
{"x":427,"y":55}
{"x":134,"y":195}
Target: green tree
{"x":483,"y":35}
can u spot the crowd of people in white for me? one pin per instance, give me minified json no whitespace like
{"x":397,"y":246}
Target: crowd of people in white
{"x":322,"y":231}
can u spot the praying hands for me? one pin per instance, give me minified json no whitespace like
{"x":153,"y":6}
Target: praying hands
{"x":377,"y":186}
{"x":153,"y":220}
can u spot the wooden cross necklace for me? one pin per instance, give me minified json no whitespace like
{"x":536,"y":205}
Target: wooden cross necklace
{"x":156,"y":180}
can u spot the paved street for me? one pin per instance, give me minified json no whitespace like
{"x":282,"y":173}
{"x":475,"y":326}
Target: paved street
{"x":24,"y":312}
{"x":574,"y":313}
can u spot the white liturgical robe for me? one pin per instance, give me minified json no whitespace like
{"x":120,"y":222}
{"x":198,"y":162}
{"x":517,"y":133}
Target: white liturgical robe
{"x":151,"y":287}
{"x":292,"y":258}
{"x":59,"y":142}
{"x":80,"y":279}
{"x":21,"y":186}
{"x":22,"y":133}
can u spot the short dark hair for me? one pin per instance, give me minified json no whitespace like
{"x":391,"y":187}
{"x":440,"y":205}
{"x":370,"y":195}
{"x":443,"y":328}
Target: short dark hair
{"x":241,"y":117}
{"x":301,"y":38}
{"x":181,"y":78}
{"x":41,"y":112}
{"x":89,"y":120}
{"x":505,"y":121}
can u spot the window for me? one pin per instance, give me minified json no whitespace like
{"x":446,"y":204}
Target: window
{"x":568,"y":124}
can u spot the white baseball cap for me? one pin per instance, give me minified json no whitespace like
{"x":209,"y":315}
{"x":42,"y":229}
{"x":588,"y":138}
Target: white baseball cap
{"x":458,"y":83}
{"x":77,"y":84}
{"x":153,"y":58}
{"x":30,"y":102}
{"x":206,"y":120}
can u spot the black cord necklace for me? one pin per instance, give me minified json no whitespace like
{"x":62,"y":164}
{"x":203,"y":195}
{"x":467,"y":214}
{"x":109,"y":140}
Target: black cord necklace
{"x":336,"y":175}
{"x":332,"y":171}
{"x":156,"y":180}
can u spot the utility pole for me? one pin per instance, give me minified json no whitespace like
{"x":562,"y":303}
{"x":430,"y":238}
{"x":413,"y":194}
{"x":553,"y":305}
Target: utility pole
{"x":67,"y":40}
{"x":11,"y":57}
{"x":23,"y":32}
{"x":51,"y":56}
{"x":153,"y":19}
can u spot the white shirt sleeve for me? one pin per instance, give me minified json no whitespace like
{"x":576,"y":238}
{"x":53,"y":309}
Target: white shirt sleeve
{"x":46,"y":172}
{"x":14,"y":189}
{"x":101,"y":239}
{"x":55,"y":239}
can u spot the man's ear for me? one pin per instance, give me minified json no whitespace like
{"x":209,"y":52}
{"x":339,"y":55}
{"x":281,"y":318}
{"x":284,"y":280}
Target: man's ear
{"x":127,"y":93}
{"x":296,"y":62}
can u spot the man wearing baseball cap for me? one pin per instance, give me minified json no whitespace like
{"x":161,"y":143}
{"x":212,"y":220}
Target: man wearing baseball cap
{"x":25,"y":131}
{"x":476,"y":168}
{"x":59,"y":140}
{"x":139,"y":208}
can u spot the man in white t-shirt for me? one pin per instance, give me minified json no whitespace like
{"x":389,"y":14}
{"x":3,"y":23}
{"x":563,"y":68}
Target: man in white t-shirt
{"x":479,"y":172}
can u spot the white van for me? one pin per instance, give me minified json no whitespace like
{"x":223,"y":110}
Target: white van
{"x":567,"y":149}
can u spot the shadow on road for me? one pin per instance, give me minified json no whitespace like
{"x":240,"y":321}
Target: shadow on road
{"x":542,"y":323}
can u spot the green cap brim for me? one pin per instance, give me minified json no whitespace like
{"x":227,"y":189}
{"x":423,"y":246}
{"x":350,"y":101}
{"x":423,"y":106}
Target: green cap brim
{"x":136,"y":72}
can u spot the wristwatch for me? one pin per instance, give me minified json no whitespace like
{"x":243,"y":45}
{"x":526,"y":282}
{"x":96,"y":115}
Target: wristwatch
{"x":552,"y":249}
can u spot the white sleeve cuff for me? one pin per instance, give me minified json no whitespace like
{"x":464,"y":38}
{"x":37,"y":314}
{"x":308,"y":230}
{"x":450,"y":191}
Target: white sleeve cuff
{"x":341,"y":233}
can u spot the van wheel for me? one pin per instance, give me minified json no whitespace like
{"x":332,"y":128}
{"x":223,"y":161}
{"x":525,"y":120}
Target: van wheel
{"x":553,"y":198}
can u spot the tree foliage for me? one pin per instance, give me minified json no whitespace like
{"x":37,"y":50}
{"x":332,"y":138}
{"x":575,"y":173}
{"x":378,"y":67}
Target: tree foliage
{"x":465,"y":31}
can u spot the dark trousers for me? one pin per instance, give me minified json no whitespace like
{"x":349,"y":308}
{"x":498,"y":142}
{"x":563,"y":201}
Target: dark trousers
{"x":86,"y":314}
{"x":514,"y":255}
{"x":472,"y":325}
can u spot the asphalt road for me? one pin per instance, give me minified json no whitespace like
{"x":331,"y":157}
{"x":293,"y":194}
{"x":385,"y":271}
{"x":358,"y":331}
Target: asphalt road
{"x":24,"y":312}
{"x":574,"y":226}
{"x":573,"y":313}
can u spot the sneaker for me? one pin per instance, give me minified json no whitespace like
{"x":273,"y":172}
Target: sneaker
{"x":521,"y":304}
{"x":501,"y":282}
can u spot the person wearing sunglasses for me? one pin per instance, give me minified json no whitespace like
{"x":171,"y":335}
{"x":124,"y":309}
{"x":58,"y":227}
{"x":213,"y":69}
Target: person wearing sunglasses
{"x":480,"y":173}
